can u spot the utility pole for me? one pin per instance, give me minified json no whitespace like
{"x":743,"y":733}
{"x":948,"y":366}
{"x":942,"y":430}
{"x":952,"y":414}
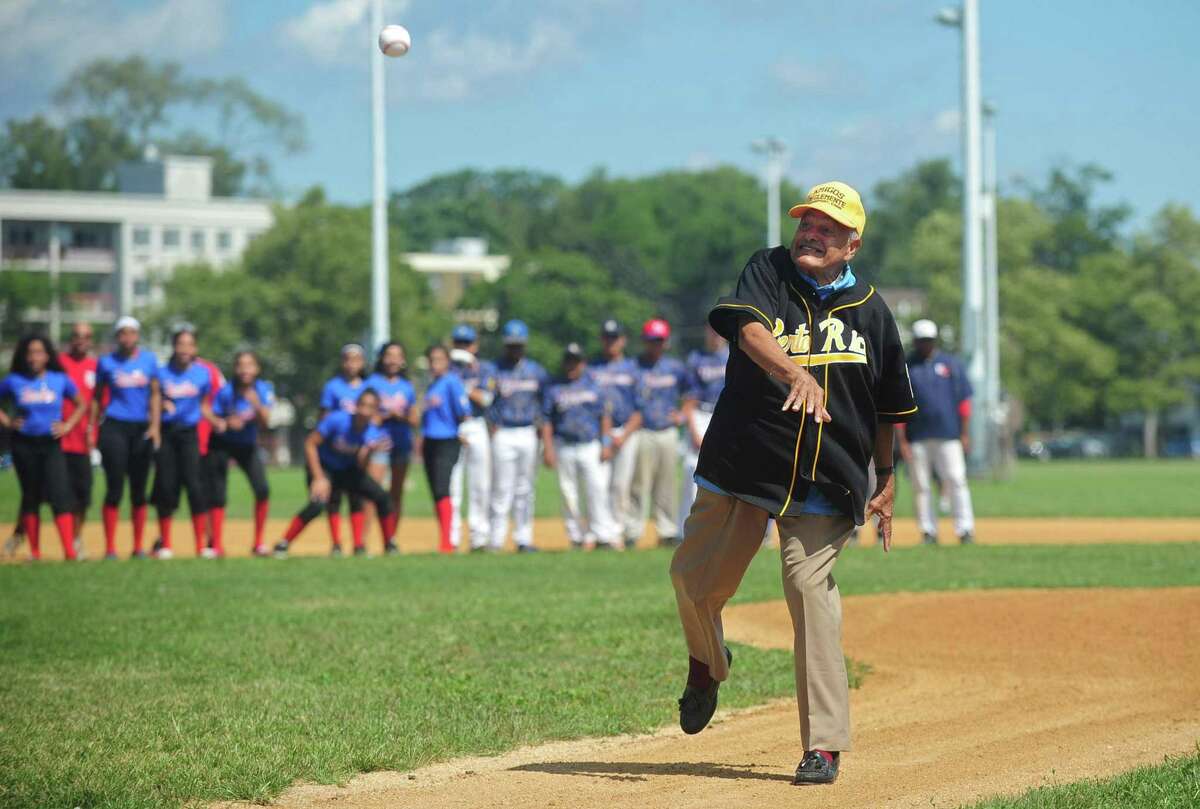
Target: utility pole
{"x":777,"y":153}
{"x":380,"y":316}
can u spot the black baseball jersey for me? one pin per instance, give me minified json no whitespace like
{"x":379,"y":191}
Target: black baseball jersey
{"x":850,"y":343}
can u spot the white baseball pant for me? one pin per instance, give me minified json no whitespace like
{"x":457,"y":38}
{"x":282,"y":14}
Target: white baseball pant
{"x":946,"y":456}
{"x":691,"y":457}
{"x":620,"y":471}
{"x":655,"y":488}
{"x":514,"y":462}
{"x":474,"y":463}
{"x":579,"y":472}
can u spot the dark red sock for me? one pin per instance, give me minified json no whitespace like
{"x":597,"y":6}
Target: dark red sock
{"x":388,"y":526}
{"x":139,"y":527}
{"x":825,"y":754}
{"x":698,"y":676}
{"x":164,"y":531}
{"x":358,"y":526}
{"x":335,"y":528}
{"x":445,"y":514}
{"x":65,"y":523}
{"x":216,"y":517}
{"x":200,"y":529}
{"x":109,"y":515}
{"x":32,"y":524}
{"x":294,"y":529}
{"x":260,"y":520}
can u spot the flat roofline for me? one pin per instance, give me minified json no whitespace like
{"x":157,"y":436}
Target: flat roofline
{"x":97,"y":196}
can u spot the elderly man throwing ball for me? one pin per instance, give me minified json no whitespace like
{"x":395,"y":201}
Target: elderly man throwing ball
{"x":816,"y":381}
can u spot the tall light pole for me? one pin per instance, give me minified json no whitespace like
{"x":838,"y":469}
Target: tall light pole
{"x":991,"y":290}
{"x":380,"y":317}
{"x":776,"y":152}
{"x":966,"y":19}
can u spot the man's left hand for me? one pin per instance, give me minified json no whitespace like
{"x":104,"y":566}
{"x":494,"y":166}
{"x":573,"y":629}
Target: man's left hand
{"x":881,"y":505}
{"x":965,"y":440}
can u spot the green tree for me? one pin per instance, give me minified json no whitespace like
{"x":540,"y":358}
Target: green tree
{"x":20,"y":290}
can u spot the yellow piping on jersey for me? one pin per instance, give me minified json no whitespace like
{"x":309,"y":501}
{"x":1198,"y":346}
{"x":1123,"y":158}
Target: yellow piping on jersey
{"x":799,"y":433}
{"x":830,"y":359}
{"x":756,"y":310}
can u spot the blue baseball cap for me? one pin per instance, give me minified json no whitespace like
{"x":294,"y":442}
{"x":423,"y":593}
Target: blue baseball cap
{"x":463,"y":334}
{"x":515,"y":332}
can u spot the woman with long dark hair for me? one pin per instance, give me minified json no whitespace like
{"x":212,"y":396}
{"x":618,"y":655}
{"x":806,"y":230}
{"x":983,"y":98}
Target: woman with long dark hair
{"x":443,"y":408}
{"x":38,"y":387}
{"x":398,"y":415}
{"x":241,"y":407}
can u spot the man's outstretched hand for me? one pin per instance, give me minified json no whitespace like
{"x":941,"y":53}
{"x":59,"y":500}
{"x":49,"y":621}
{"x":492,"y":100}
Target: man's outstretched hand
{"x":881,"y":505}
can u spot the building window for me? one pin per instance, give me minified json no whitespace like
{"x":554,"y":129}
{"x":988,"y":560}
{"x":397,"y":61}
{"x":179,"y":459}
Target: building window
{"x":199,"y":242}
{"x":170,"y":238}
{"x":224,"y":240}
{"x":141,"y":287}
{"x":141,"y":236}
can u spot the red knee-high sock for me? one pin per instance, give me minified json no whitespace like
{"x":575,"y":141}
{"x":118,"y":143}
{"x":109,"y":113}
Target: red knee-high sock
{"x":216,"y":517}
{"x":445,"y":514}
{"x":200,"y":528}
{"x":260,"y":520}
{"x":164,"y":531}
{"x":335,"y":527}
{"x":65,"y":523}
{"x":294,"y":529}
{"x":139,"y":527}
{"x":32,"y":524}
{"x":388,"y":525}
{"x":109,"y":515}
{"x":358,"y":525}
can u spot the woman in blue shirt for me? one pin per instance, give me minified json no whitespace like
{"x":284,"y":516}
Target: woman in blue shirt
{"x":185,"y":385}
{"x":37,"y":388}
{"x":398,"y":416}
{"x":443,"y":408}
{"x":129,"y":435}
{"x":341,"y":393}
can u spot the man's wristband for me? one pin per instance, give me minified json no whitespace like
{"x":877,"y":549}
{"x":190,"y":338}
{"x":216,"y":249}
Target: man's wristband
{"x":884,"y":470}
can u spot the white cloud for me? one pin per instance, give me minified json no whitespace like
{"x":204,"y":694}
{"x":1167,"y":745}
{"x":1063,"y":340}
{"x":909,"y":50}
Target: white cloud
{"x":334,"y":32}
{"x":793,"y":77}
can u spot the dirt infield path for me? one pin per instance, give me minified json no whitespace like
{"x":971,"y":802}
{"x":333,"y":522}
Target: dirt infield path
{"x":418,"y":535}
{"x":973,"y":694}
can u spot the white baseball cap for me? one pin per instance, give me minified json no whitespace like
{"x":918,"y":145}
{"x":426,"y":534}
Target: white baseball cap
{"x":924,"y":330}
{"x":127,"y":322}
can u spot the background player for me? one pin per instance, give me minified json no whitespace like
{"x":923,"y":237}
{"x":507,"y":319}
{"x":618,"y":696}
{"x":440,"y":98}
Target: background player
{"x":475,"y":459}
{"x":515,"y":409}
{"x":398,"y":417}
{"x":216,"y":381}
{"x":79,"y":364}
{"x":706,"y":380}
{"x":662,"y":382}
{"x":575,"y":434}
{"x":341,"y":393}
{"x":617,"y":376}
{"x":37,"y":387}
{"x":336,"y":454}
{"x":443,"y":408}
{"x":129,"y":434}
{"x":240,"y":408}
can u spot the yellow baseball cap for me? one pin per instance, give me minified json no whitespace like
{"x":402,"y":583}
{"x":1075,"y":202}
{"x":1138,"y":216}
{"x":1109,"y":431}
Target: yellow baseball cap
{"x":838,"y":201}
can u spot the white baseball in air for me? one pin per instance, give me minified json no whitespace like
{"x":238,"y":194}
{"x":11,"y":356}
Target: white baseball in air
{"x":394,"y":40}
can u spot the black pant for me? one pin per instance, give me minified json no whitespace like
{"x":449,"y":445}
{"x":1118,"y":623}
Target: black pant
{"x":178,"y":466}
{"x":42,"y":473}
{"x":79,"y":474}
{"x":246,"y":456}
{"x":125,"y":452}
{"x":440,"y":455}
{"x":354,"y":482}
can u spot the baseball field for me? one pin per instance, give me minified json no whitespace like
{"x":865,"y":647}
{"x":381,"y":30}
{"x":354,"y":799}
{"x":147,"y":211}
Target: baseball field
{"x":1055,"y":664}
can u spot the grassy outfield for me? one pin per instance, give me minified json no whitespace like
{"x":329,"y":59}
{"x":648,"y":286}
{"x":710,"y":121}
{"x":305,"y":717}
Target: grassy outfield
{"x":152,"y":685}
{"x":1127,"y":488}
{"x":1173,"y":785}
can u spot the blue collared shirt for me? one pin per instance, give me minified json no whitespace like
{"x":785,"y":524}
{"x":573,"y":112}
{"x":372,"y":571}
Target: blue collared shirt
{"x":815,"y":503}
{"x":843,"y":281}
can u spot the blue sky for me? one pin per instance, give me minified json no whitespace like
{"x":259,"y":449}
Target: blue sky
{"x":859,"y":91}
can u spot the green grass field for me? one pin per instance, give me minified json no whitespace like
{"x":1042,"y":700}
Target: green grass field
{"x":156,"y":685}
{"x":1128,"y":488}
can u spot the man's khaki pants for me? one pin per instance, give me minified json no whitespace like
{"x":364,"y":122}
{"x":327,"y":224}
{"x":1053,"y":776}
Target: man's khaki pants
{"x":721,"y":536}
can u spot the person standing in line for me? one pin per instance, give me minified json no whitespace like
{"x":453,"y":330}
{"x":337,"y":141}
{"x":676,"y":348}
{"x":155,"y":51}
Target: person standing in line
{"x":937,"y":439}
{"x":341,"y":393}
{"x":513,"y":415}
{"x":37,"y":387}
{"x":475,"y":459}
{"x":706,"y":380}
{"x":185,"y":386}
{"x":127,"y":385}
{"x":443,"y":408}
{"x":617,"y":377}
{"x":241,"y":407}
{"x":399,"y":416}
{"x":204,"y":429}
{"x":662,"y":382}
{"x":575,"y":436}
{"x":80,"y":365}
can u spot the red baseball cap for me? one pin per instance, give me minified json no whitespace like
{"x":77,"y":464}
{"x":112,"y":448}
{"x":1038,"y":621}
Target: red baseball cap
{"x":656,"y":329}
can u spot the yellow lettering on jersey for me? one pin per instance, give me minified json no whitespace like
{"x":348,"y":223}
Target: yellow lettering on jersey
{"x":858,"y":344}
{"x":799,"y":340}
{"x":833,"y":329}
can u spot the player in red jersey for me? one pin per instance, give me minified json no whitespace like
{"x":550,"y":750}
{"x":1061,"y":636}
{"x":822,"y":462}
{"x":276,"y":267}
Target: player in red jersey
{"x":80,"y":365}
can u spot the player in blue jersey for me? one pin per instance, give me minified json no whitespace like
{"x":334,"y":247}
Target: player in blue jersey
{"x":706,"y":380}
{"x":444,"y":407}
{"x":241,"y":407}
{"x":336,"y":454}
{"x":575,"y":436}
{"x":475,"y":460}
{"x":617,"y":376}
{"x":513,"y":416}
{"x":398,"y":416}
{"x":662,"y":382}
{"x":37,"y":387}
{"x":341,"y":393}
{"x":129,"y":434}
{"x":185,"y":386}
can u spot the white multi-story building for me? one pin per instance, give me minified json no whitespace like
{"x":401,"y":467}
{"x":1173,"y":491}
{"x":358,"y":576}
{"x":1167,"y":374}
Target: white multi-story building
{"x":118,"y":247}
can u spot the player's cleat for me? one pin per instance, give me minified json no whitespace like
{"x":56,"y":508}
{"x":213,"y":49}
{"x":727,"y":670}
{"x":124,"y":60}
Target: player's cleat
{"x":260,"y":551}
{"x":160,"y":551}
{"x":335,"y":552}
{"x":814,"y":768}
{"x":281,"y":549}
{"x":360,"y":551}
{"x":110,"y":557}
{"x":138,"y":555}
{"x":966,"y":539}
{"x":80,"y":551}
{"x":390,"y":548}
{"x":928,"y":539}
{"x":697,"y":705}
{"x":13,"y":543}
{"x":208,"y":553}
{"x":526,"y":549}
